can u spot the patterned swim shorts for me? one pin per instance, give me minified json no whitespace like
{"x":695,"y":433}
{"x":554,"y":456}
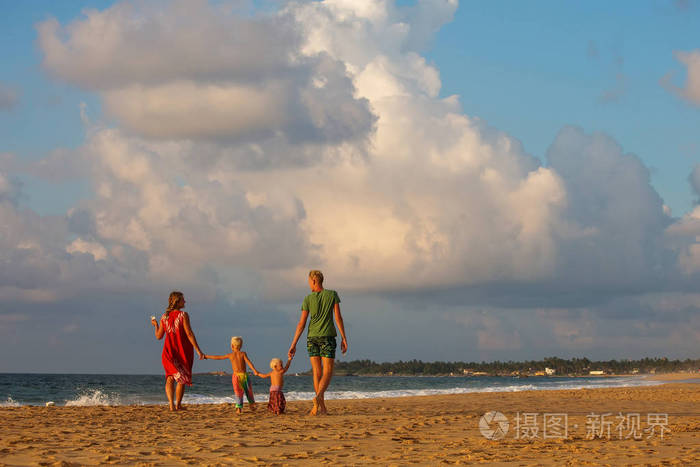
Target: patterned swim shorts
{"x":321,"y":346}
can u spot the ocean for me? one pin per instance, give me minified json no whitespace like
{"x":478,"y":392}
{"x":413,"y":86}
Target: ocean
{"x":89,"y":390}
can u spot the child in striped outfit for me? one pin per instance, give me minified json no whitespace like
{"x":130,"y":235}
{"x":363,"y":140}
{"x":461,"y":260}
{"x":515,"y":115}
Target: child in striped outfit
{"x":241,"y":383}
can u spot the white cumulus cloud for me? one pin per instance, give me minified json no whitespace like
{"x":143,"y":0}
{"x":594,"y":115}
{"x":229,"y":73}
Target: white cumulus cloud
{"x":316,"y":135}
{"x":191,"y":70}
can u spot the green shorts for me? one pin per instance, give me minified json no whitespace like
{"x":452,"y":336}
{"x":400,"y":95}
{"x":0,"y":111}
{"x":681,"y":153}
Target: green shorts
{"x":321,"y":346}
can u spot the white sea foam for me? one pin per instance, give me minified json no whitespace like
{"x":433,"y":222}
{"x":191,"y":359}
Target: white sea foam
{"x":94,"y":397}
{"x":208,"y":399}
{"x":557,"y":385}
{"x":260,"y":397}
{"x":10,"y":402}
{"x":552,"y":384}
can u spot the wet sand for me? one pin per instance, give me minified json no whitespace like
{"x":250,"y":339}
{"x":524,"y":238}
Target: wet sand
{"x":675,"y":376}
{"x":422,"y":430}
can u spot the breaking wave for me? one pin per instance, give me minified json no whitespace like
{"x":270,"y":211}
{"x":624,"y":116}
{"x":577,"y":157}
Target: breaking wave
{"x":10,"y":402}
{"x":94,"y":397}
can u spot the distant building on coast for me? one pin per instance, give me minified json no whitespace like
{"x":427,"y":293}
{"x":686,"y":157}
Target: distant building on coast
{"x":550,"y":371}
{"x":596,"y":372}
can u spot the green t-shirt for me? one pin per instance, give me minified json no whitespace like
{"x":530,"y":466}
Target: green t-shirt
{"x":320,"y":307}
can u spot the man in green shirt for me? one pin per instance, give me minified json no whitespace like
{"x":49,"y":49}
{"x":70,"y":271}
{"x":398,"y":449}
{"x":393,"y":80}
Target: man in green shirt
{"x":321,"y":305}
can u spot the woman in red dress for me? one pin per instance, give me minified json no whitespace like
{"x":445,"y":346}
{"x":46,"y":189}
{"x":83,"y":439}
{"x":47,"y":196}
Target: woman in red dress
{"x":178,"y":352}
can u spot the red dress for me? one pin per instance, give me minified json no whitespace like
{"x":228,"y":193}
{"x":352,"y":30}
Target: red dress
{"x":178,"y":353}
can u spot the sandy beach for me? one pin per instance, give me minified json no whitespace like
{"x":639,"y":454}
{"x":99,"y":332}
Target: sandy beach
{"x":410,"y":430}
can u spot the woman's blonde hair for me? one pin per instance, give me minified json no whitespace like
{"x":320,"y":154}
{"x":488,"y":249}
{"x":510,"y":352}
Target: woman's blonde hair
{"x":236,"y":342}
{"x":173,"y":301}
{"x":274,"y":361}
{"x":316,"y":275}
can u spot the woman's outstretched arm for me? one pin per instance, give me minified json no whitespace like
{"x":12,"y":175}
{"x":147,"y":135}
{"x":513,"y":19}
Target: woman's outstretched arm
{"x":190,"y":335}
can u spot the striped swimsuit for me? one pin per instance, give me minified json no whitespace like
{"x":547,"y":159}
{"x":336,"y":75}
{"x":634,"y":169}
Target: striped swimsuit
{"x":242,"y":385}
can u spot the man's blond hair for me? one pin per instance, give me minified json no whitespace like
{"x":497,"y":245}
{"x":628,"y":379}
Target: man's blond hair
{"x":316,"y":275}
{"x":236,"y":342}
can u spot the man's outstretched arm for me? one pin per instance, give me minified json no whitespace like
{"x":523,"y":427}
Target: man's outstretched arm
{"x":341,"y":328}
{"x":297,"y":334}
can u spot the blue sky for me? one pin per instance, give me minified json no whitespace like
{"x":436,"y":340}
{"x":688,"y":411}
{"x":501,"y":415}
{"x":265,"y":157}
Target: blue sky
{"x":47,"y":115}
{"x":207,"y":160}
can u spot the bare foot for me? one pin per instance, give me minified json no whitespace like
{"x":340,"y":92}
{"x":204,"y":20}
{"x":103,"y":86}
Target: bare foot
{"x":322,"y":407}
{"x":180,"y":407}
{"x":238,"y":410}
{"x":314,"y":410}
{"x":172,"y":408}
{"x":253,"y":407}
